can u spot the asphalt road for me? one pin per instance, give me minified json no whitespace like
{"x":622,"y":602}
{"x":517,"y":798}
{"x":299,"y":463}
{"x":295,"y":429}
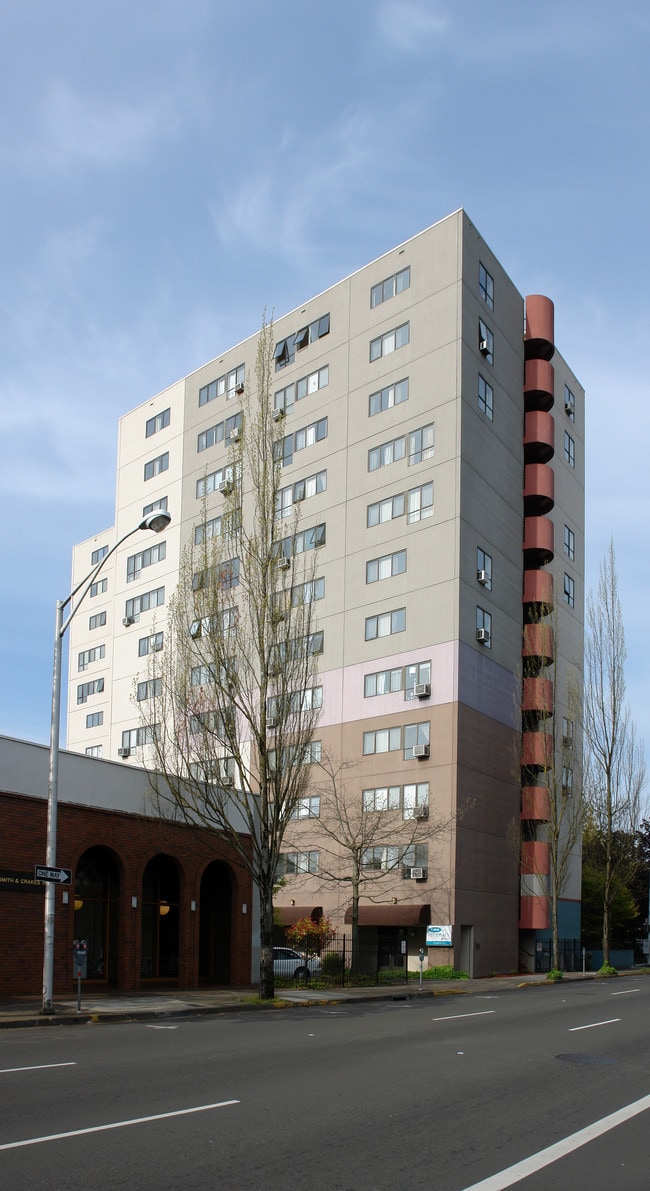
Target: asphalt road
{"x":441,"y":1095}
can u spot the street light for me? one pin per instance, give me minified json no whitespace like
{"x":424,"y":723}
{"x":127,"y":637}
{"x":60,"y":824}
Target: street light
{"x":156,"y":521}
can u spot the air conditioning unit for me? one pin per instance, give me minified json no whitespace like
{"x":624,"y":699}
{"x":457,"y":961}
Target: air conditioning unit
{"x":277,"y":415}
{"x":418,"y":874}
{"x":226,"y":781}
{"x":567,"y":742}
{"x":420,"y":812}
{"x":483,"y":577}
{"x":235,"y":434}
{"x":271,"y":725}
{"x":127,"y":620}
{"x":569,"y":407}
{"x":483,"y":635}
{"x":284,"y":563}
{"x":422,"y":690}
{"x":484,"y":347}
{"x":226,"y":487}
{"x":421,"y":751}
{"x":239,"y":388}
{"x":124,"y":752}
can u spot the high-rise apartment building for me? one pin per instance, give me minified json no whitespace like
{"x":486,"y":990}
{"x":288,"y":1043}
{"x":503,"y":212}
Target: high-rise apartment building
{"x":436,"y":441}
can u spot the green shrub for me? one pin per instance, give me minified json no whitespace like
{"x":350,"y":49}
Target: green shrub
{"x":442,"y":972}
{"x":607,"y":970}
{"x":331,"y":967}
{"x":554,"y":975}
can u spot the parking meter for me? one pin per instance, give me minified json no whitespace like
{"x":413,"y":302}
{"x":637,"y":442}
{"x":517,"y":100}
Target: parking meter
{"x":80,"y":959}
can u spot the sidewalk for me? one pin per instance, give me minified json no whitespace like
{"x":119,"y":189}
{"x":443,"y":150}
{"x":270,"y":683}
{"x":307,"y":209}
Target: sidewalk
{"x":107,"y":1007}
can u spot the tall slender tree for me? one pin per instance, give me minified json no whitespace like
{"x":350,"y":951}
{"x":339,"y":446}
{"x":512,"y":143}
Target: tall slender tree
{"x":233,"y":688}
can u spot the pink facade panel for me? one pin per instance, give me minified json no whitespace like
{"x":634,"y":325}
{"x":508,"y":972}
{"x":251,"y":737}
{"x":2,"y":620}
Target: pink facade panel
{"x":539,"y":336}
{"x":539,"y":488}
{"x":538,"y":696}
{"x":535,"y":858}
{"x":539,"y":384}
{"x":538,"y":589}
{"x":534,"y":913}
{"x":539,"y":436}
{"x":535,"y":803}
{"x":537,"y":750}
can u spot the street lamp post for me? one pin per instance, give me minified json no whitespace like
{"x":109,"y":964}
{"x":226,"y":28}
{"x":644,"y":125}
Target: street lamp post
{"x":156,"y":521}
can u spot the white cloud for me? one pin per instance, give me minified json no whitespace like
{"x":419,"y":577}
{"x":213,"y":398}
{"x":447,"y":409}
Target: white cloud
{"x":409,"y":26}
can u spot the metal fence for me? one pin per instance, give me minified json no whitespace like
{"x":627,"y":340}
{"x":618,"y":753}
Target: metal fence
{"x":570,"y":955}
{"x":374,"y":961}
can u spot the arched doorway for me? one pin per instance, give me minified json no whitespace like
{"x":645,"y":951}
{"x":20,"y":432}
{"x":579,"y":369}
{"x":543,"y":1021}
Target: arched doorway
{"x":96,"y":911}
{"x":160,"y":899}
{"x":215,"y":924}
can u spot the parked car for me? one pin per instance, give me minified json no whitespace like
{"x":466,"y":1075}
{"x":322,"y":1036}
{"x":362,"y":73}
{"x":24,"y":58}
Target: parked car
{"x":288,"y":962}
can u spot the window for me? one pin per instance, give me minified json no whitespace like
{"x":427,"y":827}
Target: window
{"x":89,"y":688}
{"x":224,"y":575}
{"x":202,"y":676}
{"x":385,"y":624}
{"x":295,"y":755}
{"x":386,"y":566}
{"x":300,"y":543}
{"x":144,"y":558}
{"x":569,"y":590}
{"x":90,"y":655}
{"x":155,"y":466}
{"x":219,"y":432}
{"x":486,"y":286}
{"x":306,"y":437}
{"x":420,"y":503}
{"x":484,"y":568}
{"x":285,"y":398}
{"x":136,"y":737}
{"x":222,"y":623}
{"x":484,"y":627}
{"x":569,"y":404}
{"x":143,"y":603}
{"x":568,"y":728}
{"x":218,"y":771}
{"x":391,"y":286}
{"x":158,"y":422}
{"x":386,"y":398}
{"x":152,"y":644}
{"x":485,"y":341}
{"x":290,"y":863}
{"x":150,"y":689}
{"x":383,"y":345}
{"x":421,"y":445}
{"x":278,"y":707}
{"x":94,"y":750}
{"x":567,"y":781}
{"x":485,"y":397}
{"x":284,"y":351}
{"x":569,"y":543}
{"x":387,"y":453}
{"x":306,"y":593}
{"x":569,"y":449}
{"x":210,"y":483}
{"x":405,"y":798}
{"x":97,"y":621}
{"x":301,"y":490}
{"x":383,"y":858}
{"x":383,"y":740}
{"x":386,"y":510}
{"x":307,"y":808}
{"x":98,"y":588}
{"x":230,"y":383}
{"x":298,"y":647}
{"x":415,"y":734}
{"x":97,"y":555}
{"x":155,"y":504}
{"x":95,"y":719}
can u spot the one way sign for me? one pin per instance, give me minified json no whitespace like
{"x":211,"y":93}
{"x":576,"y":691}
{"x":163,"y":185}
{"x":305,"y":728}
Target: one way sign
{"x":63,"y":876}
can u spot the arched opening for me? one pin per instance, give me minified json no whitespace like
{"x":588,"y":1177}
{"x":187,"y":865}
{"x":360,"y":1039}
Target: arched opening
{"x":160,"y":902}
{"x":215,"y":924}
{"x":96,"y":911}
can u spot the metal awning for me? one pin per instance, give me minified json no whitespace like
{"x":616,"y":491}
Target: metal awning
{"x":390,"y":915}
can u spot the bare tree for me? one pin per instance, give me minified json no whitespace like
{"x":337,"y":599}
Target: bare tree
{"x":615,"y":770}
{"x":234,"y":686}
{"x":366,"y":838}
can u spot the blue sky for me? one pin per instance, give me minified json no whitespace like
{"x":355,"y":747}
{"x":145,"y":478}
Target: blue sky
{"x":170,"y":170}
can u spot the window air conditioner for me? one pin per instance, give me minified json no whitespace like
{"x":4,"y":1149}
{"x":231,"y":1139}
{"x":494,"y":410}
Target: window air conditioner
{"x":483,"y":577}
{"x":271,"y":725}
{"x":418,"y":874}
{"x":569,"y":407}
{"x":484,"y":347}
{"x":226,"y":487}
{"x":127,"y":620}
{"x":277,"y":415}
{"x":239,"y":388}
{"x":226,"y":781}
{"x":422,"y":690}
{"x":483,"y":635}
{"x":284,"y":563}
{"x":567,"y":742}
{"x":421,"y":751}
{"x":124,"y":752}
{"x":235,"y":434}
{"x":420,"y":812}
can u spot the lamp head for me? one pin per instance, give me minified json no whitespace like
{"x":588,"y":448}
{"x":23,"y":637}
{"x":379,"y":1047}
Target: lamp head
{"x":157,"y":521}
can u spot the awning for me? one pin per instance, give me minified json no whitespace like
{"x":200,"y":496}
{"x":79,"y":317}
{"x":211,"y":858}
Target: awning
{"x":289,"y":915}
{"x":390,"y":915}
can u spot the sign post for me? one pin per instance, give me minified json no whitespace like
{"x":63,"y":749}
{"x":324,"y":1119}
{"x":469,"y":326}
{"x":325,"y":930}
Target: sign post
{"x":79,"y":965}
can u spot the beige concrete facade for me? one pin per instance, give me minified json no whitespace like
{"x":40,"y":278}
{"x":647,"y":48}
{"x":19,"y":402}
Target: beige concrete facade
{"x":476,"y":468}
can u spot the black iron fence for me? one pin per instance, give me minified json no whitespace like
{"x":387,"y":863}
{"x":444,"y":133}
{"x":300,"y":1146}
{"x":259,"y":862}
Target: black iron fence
{"x":337,"y":964}
{"x":570,"y":955}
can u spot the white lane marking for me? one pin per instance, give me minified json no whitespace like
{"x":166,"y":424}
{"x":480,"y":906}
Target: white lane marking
{"x":521,"y":1170}
{"x":160,"y":1116}
{"x":162,"y":1027}
{"x":624,"y":992}
{"x":593,"y":1025}
{"x":455,"y":1016}
{"x":40,"y":1067}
